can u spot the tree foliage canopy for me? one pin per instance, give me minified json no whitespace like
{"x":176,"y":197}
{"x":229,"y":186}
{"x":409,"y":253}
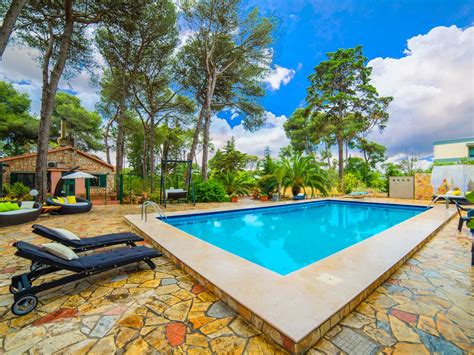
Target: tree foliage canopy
{"x":82,"y":126}
{"x":18,"y":129}
{"x":342,"y":103}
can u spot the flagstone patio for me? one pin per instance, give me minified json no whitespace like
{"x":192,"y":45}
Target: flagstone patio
{"x":426,"y":306}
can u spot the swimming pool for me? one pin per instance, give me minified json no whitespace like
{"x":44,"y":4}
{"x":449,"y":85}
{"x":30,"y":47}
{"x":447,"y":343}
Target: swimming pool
{"x":287,"y":238}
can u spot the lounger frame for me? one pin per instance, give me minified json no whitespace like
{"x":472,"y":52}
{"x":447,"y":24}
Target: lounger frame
{"x":41,"y":231}
{"x":22,"y":285}
{"x":24,"y":282}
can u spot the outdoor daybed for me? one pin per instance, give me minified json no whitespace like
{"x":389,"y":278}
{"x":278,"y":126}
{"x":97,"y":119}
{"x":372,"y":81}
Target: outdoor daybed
{"x":300,"y":196}
{"x":22,"y":215}
{"x":176,"y":194}
{"x":81,"y":206}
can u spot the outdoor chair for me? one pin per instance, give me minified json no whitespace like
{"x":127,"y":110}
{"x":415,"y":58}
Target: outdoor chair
{"x":24,"y":292}
{"x":21,"y":215}
{"x":81,"y":206}
{"x":89,"y":243}
{"x":467,"y":217}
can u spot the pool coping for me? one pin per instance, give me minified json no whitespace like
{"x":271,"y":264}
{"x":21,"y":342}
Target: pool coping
{"x":283,"y":307}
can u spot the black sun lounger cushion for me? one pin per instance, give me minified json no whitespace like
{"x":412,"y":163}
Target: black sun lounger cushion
{"x":115,"y":257}
{"x":87,"y":243}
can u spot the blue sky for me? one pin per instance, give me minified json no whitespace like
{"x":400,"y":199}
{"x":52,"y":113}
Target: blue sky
{"x":309,"y":29}
{"x":422,"y":54}
{"x":421,"y":51}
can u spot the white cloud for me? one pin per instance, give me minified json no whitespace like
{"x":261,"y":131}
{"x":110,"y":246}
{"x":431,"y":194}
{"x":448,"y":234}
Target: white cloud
{"x":271,"y":134}
{"x":423,"y":162}
{"x":433,"y":90}
{"x":20,"y":67}
{"x":279,"y":76}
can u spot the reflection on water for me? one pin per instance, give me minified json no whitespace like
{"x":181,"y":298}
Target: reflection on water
{"x":288,"y":238}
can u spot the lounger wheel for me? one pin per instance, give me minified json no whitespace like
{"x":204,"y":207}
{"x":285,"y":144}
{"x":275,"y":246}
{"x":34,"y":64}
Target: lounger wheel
{"x":24,"y":305}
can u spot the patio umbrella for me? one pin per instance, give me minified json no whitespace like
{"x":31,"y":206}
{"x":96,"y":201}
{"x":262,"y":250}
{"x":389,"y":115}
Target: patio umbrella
{"x":79,"y":175}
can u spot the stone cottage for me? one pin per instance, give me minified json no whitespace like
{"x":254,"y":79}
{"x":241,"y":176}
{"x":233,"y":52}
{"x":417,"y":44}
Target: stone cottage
{"x":22,"y":168}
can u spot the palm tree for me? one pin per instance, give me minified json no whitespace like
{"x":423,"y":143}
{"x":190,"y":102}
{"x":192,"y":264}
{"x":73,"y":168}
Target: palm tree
{"x":302,"y":171}
{"x":236,"y":183}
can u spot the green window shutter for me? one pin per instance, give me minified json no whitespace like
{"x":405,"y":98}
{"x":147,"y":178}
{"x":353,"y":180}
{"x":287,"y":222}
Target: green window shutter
{"x":102,"y":180}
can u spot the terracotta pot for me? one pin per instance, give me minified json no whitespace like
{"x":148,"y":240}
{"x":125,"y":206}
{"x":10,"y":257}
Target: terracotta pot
{"x":234,"y":199}
{"x":263,"y":198}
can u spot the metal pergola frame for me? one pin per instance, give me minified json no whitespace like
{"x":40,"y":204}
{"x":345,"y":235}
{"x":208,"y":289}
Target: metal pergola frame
{"x":188,"y":183}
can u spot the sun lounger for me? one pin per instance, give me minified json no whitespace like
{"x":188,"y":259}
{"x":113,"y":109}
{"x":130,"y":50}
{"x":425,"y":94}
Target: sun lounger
{"x":358,"y":194}
{"x":24,"y":292}
{"x":84,"y":244}
{"x":450,"y":198}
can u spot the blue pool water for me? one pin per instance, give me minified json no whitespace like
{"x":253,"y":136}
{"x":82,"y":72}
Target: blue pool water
{"x":287,"y":238}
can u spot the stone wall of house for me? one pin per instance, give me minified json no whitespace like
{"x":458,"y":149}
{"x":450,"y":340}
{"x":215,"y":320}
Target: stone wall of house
{"x":423,"y":188}
{"x":65,"y":159}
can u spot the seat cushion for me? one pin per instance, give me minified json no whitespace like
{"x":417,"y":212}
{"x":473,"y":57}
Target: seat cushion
{"x":110,"y":239}
{"x":12,"y":206}
{"x":117,"y":256}
{"x":27,"y":204}
{"x":19,"y":211}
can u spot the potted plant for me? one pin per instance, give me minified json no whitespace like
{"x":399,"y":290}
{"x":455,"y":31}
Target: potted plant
{"x":263,"y":197}
{"x":234,"y":198}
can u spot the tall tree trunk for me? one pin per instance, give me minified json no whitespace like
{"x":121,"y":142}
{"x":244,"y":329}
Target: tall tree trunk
{"x":197,"y":133}
{"x":205,"y":145}
{"x":192,"y":153}
{"x":8,"y":22}
{"x":346,"y":160}
{"x":119,"y":151}
{"x":328,"y":152}
{"x":207,"y":125}
{"x":107,"y":147}
{"x":48,"y":96}
{"x":152,"y":153}
{"x":106,"y":138}
{"x":144,"y":158}
{"x":340,"y":150}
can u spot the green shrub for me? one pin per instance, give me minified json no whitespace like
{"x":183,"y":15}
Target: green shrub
{"x":132,"y":185}
{"x":209,"y":191}
{"x":268,"y":184}
{"x":351,"y":183}
{"x":155,"y":197}
{"x":17,"y":191}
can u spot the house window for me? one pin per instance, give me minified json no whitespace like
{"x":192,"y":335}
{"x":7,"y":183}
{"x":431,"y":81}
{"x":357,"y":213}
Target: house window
{"x":471,"y":152}
{"x":27,"y":179}
{"x":101,"y":180}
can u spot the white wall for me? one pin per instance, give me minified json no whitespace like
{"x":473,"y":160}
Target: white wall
{"x":451,"y":150}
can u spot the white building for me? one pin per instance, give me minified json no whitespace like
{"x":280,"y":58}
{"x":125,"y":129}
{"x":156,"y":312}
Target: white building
{"x":454,"y":150}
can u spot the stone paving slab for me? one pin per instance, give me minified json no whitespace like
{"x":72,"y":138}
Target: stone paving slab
{"x":425,"y":307}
